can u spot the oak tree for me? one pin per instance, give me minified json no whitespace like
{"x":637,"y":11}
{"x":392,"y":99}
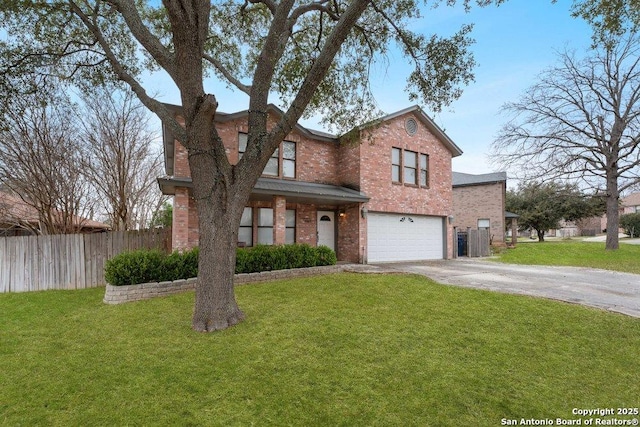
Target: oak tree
{"x":315,"y":55}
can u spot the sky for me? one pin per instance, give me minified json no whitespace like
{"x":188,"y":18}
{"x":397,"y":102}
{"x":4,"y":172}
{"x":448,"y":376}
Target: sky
{"x":515,"y":42}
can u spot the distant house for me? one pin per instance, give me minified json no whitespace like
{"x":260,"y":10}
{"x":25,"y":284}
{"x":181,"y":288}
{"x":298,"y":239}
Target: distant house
{"x":386,"y":199}
{"x":18,"y":218}
{"x":630,"y":204}
{"x":479,"y":202}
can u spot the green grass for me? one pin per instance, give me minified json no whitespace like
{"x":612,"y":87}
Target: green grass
{"x":575,"y":253}
{"x":340,"y":350}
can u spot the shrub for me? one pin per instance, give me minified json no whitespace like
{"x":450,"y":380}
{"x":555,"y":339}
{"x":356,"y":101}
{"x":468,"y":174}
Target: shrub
{"x":631,"y":224}
{"x":143,"y":266}
{"x":132,"y":268}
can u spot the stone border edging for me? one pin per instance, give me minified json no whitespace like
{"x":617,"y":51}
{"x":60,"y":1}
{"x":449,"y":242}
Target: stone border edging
{"x":128,"y":293}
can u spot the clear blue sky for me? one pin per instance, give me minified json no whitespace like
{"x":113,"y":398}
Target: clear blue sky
{"x":514,"y":43}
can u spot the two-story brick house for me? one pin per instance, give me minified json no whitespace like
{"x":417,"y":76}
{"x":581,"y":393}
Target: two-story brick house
{"x":385,"y":196}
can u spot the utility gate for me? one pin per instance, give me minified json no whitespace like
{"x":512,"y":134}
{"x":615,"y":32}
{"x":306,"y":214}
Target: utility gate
{"x":473,"y":243}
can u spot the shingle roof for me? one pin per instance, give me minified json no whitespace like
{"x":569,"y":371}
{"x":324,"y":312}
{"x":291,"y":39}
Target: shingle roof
{"x":461,"y":179}
{"x":294,"y":191}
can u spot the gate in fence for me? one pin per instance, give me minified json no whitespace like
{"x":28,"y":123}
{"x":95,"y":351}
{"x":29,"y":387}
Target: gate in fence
{"x":473,"y":243}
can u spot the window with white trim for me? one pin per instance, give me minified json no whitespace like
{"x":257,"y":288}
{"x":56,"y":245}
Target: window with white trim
{"x":245,"y":233}
{"x":265,"y":226}
{"x":290,"y":223}
{"x":409,"y":167}
{"x":282,"y":162}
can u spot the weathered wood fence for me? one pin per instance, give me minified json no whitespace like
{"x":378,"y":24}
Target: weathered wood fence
{"x":68,"y":261}
{"x":473,"y":243}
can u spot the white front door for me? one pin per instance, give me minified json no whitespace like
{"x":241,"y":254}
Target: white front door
{"x":327,"y":229}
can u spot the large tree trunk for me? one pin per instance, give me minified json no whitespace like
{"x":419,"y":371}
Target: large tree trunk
{"x":215,"y":306}
{"x":220,"y":199}
{"x":540,"y":235}
{"x":613,"y":219}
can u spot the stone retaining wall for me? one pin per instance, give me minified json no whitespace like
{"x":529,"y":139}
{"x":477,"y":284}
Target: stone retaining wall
{"x":122,"y":294}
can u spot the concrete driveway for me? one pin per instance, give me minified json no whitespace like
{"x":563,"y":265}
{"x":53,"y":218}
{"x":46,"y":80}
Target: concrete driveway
{"x":608,"y":290}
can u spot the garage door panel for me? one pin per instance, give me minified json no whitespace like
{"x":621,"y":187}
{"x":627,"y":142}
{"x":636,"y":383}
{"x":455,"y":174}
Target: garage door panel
{"x":394,"y":237}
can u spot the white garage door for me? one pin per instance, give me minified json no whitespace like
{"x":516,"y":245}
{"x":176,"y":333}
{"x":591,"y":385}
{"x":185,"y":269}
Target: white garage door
{"x":395,"y":237}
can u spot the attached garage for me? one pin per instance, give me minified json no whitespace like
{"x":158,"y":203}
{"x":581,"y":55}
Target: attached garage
{"x":404,"y":237}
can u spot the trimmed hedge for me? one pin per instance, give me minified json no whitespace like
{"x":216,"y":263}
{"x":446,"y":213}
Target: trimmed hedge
{"x":145,"y":266}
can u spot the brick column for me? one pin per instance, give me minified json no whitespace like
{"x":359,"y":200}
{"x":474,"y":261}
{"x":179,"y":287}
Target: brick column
{"x":180,"y":226}
{"x":279,"y":220}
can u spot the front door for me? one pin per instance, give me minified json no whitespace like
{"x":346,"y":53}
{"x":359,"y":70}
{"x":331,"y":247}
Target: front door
{"x":327,"y":229}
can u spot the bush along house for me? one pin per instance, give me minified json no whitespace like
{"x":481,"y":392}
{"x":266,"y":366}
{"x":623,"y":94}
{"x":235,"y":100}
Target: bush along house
{"x":383,"y":194}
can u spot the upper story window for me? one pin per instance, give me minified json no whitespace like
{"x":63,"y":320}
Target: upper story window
{"x":282,"y":162}
{"x":395,"y":165}
{"x":409,"y":167}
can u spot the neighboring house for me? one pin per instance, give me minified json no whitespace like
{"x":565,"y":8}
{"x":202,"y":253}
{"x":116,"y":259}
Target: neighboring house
{"x":479,"y":202}
{"x":18,"y":218}
{"x":591,"y":226}
{"x":386,"y":197}
{"x":630,"y":204}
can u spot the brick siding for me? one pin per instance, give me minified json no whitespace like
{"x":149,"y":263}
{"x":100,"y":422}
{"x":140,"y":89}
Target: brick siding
{"x":484,"y":201}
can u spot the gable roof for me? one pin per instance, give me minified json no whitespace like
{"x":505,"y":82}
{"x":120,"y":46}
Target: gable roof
{"x":168,"y":138}
{"x":426,"y":121}
{"x":464,"y":179}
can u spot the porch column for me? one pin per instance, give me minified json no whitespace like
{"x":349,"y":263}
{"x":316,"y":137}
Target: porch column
{"x":279,"y":220}
{"x":180,"y":225}
{"x":514,"y":231}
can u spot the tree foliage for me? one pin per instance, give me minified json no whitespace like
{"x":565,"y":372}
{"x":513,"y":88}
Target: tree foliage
{"x":541,"y":206}
{"x":609,"y":19}
{"x":631,"y":224}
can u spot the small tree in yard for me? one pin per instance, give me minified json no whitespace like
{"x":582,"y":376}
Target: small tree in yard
{"x":40,"y":161}
{"x":631,"y":224}
{"x":316,"y":55}
{"x":122,"y":159}
{"x":541,"y":206}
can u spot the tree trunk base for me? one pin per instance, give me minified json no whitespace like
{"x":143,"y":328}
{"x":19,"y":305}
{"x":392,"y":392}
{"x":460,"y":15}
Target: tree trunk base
{"x":217,"y":321}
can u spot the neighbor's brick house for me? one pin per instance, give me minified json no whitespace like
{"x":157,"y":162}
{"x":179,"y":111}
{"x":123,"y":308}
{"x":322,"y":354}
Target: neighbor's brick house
{"x":479,"y":202}
{"x":385,"y":197}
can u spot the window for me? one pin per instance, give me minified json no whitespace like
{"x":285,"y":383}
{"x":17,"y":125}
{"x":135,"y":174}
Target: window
{"x":484,"y":223}
{"x":395,"y":165}
{"x":288,"y":159}
{"x":245,"y":233}
{"x":410,"y":167}
{"x":272,"y":164}
{"x":424,"y":170}
{"x":273,"y":168}
{"x":290,"y":223}
{"x":265,"y":226}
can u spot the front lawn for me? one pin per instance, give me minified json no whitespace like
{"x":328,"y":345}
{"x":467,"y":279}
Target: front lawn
{"x":575,"y":253}
{"x":339,"y":350}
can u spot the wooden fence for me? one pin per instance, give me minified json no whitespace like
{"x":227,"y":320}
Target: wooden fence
{"x":68,"y":261}
{"x":473,"y":243}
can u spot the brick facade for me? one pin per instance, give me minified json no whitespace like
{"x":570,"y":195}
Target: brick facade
{"x":364,"y":166}
{"x":481,"y":201}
